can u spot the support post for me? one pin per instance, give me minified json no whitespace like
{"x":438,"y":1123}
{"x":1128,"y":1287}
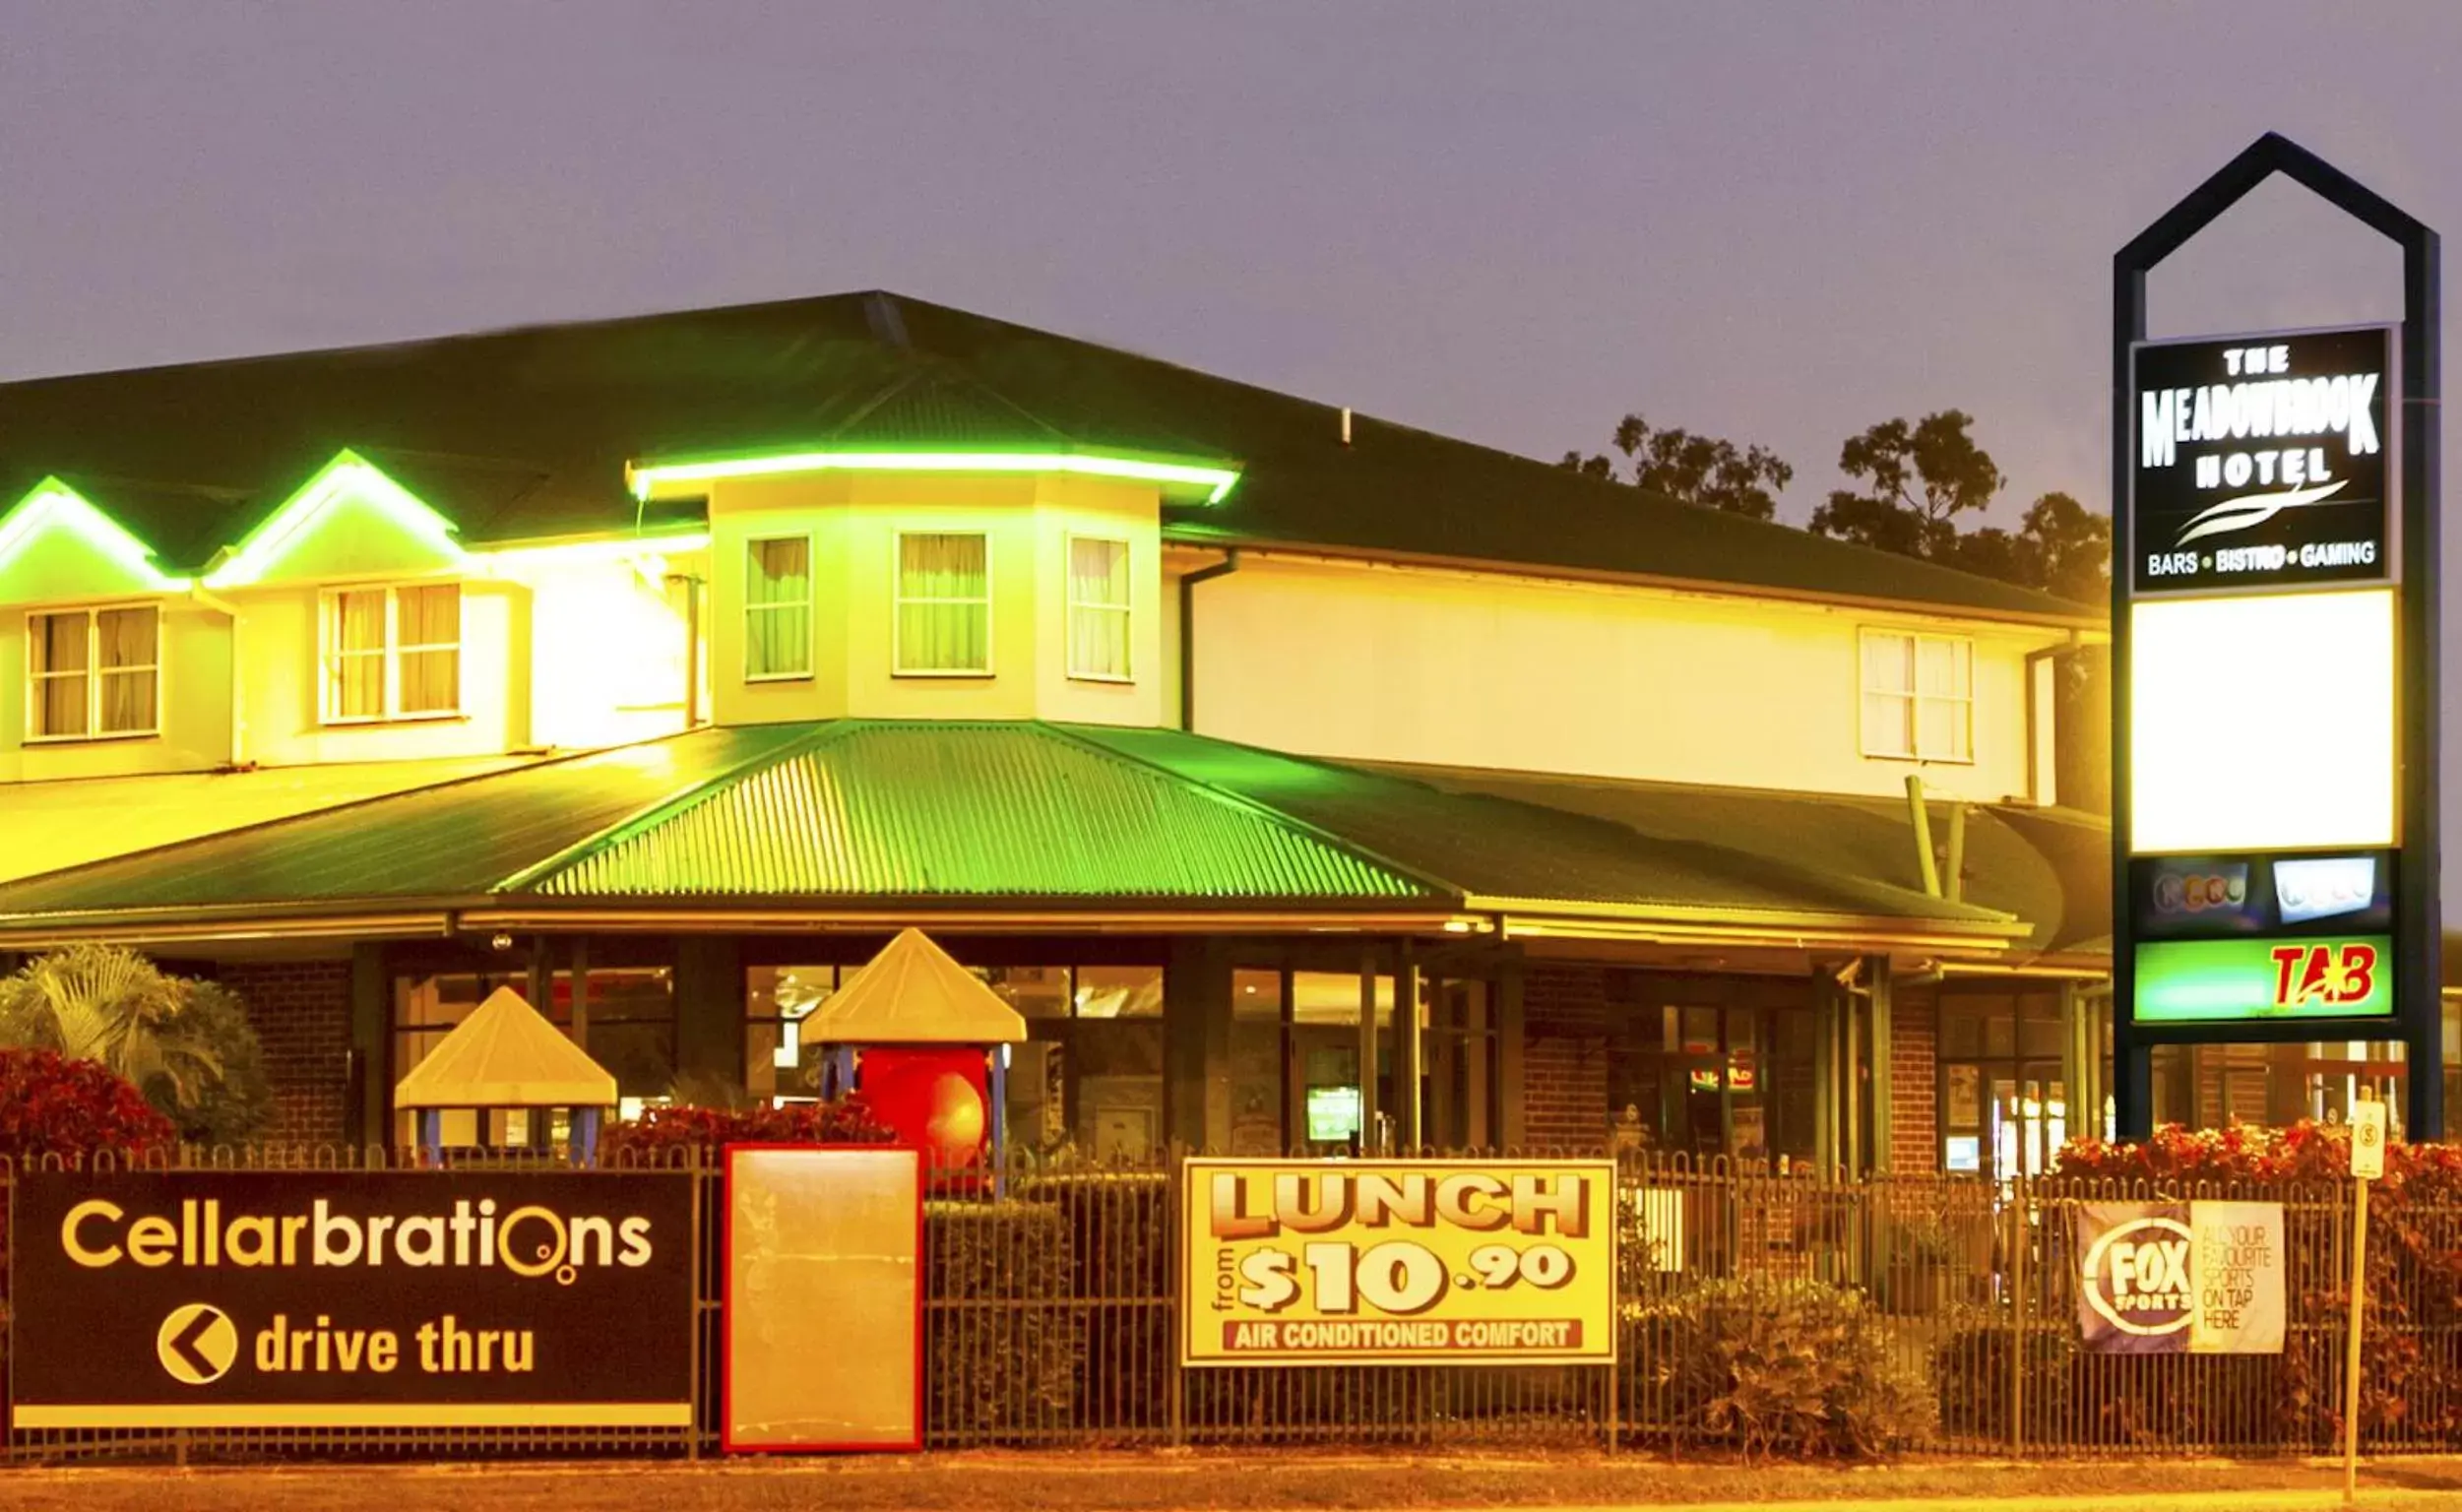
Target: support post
{"x":1368,"y":1143}
{"x":1925,"y":866}
{"x":1407,"y":1058}
{"x":1885,"y":1034}
{"x":1512,"y":1101}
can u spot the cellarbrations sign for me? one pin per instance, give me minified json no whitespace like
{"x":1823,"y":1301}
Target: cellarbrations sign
{"x":350,"y":1300}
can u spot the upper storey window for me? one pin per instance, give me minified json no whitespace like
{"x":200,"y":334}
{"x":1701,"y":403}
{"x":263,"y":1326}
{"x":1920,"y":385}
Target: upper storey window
{"x":777,"y":608}
{"x":944,"y":605}
{"x":1097,"y":609}
{"x":93,"y":674}
{"x":1918,"y":696}
{"x":391,"y":654}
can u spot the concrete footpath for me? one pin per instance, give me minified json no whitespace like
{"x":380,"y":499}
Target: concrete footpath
{"x":1248,"y":1481}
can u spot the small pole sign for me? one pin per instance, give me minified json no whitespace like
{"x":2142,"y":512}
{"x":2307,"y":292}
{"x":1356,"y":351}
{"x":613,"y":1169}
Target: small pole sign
{"x":2367,"y":1164}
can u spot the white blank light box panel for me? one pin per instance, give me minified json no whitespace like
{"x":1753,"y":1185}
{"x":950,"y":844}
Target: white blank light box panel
{"x":2262,"y":723}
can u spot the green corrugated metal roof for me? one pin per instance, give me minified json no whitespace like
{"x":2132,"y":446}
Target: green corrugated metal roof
{"x":455,"y":840}
{"x":887,"y":810}
{"x":1553,"y":842}
{"x":930,"y":813}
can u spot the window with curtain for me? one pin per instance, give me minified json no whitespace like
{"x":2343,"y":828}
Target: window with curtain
{"x":1098,"y":607}
{"x":94,"y":674}
{"x":777,"y":608}
{"x":391,"y":653}
{"x":1918,"y":696}
{"x":944,"y":605}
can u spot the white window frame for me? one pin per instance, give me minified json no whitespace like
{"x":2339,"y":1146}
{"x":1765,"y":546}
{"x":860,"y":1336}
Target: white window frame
{"x":394,"y":650}
{"x":1914,"y":696}
{"x":1126,"y":609}
{"x":898,"y":601}
{"x":93,"y":731}
{"x":811,"y":619}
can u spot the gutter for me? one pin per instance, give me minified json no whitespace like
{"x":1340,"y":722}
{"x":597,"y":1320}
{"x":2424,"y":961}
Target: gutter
{"x":1188,"y":582}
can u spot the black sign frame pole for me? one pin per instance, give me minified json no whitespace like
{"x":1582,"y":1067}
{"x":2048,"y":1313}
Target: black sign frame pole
{"x":2419,"y":922}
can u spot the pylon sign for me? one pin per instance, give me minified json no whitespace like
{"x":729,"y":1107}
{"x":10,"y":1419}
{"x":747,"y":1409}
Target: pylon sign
{"x":2274,"y":618}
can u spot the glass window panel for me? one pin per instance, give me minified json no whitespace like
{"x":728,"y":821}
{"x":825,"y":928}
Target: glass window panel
{"x":1333,"y":997}
{"x":1888,"y":662}
{"x":1961,"y":1031}
{"x":59,"y":664}
{"x":1119,"y":991}
{"x":1034,"y":991}
{"x":944,"y":603}
{"x":1098,"y":608}
{"x":356,"y":655}
{"x":2037,"y":1038}
{"x":127,"y":643}
{"x":778,"y":608}
{"x":1259,"y":995}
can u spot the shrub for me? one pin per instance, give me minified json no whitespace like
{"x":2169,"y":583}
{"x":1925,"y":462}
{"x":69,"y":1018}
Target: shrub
{"x":1000,"y":1340}
{"x":187,"y":1045}
{"x":52,"y":1107}
{"x":660,"y":1135}
{"x":2413,"y":1386}
{"x":1798,"y":1368}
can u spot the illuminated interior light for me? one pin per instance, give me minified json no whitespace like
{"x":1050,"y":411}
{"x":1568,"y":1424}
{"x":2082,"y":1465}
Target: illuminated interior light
{"x":347,"y":477}
{"x":2262,"y":723}
{"x":647,"y":479}
{"x":54,"y":505}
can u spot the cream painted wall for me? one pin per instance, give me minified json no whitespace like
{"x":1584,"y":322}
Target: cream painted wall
{"x":1409,"y":665}
{"x":853,"y":520}
{"x":277,"y":638}
{"x":194,"y":688}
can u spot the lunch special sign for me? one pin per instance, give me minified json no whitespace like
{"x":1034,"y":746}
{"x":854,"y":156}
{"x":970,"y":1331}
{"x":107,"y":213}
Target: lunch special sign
{"x":350,"y":1300}
{"x":2180,"y":1278}
{"x":1397,"y":1262}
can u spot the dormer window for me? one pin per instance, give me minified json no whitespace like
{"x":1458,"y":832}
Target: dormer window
{"x":391,"y":653}
{"x":93,"y":674}
{"x":944,"y":605}
{"x":1097,"y":609}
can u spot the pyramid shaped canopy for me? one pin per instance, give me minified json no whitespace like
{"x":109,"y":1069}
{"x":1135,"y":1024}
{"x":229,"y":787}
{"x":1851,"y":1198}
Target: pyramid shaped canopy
{"x":914,"y":993}
{"x":506,"y":1055}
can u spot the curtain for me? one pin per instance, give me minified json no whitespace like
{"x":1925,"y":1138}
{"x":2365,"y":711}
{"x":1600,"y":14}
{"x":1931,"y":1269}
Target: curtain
{"x":1097,"y":596}
{"x":944,"y":603}
{"x":128,"y":641}
{"x":1888,"y":695}
{"x":60,"y":667}
{"x":777,"y":608}
{"x":430,"y":631}
{"x":355,"y":666}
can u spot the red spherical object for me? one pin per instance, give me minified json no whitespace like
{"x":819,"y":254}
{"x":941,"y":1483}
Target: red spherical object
{"x":935,"y":1099}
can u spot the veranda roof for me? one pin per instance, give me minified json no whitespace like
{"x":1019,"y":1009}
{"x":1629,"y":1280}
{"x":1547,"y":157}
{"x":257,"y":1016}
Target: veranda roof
{"x":914,"y":993}
{"x":505,"y":1054}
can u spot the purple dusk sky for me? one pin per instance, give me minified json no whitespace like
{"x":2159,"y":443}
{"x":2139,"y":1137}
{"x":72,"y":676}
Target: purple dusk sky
{"x":1778,"y":221}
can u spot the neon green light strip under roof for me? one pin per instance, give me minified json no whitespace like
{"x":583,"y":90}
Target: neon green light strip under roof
{"x":348,"y":476}
{"x":53,"y":503}
{"x":645,"y":479}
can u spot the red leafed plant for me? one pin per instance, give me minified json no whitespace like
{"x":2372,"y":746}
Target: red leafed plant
{"x":2413,"y":1387}
{"x":69,"y":1109}
{"x":661,"y":1134}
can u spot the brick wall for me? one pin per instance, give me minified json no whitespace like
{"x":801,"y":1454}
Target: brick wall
{"x":1913,"y":1080}
{"x":302,"y":1010}
{"x":1564,"y":1054}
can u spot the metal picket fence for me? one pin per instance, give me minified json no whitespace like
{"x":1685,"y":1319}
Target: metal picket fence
{"x":1051,"y":1313}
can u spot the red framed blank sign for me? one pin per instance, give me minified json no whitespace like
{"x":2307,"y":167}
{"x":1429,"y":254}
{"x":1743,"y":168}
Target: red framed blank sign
{"x":824,"y":1266}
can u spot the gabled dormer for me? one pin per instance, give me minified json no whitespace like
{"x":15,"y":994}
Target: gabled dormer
{"x":90,"y":628}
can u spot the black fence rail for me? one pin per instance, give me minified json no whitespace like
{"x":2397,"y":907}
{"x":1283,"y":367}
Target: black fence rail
{"x":1924,"y":1312}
